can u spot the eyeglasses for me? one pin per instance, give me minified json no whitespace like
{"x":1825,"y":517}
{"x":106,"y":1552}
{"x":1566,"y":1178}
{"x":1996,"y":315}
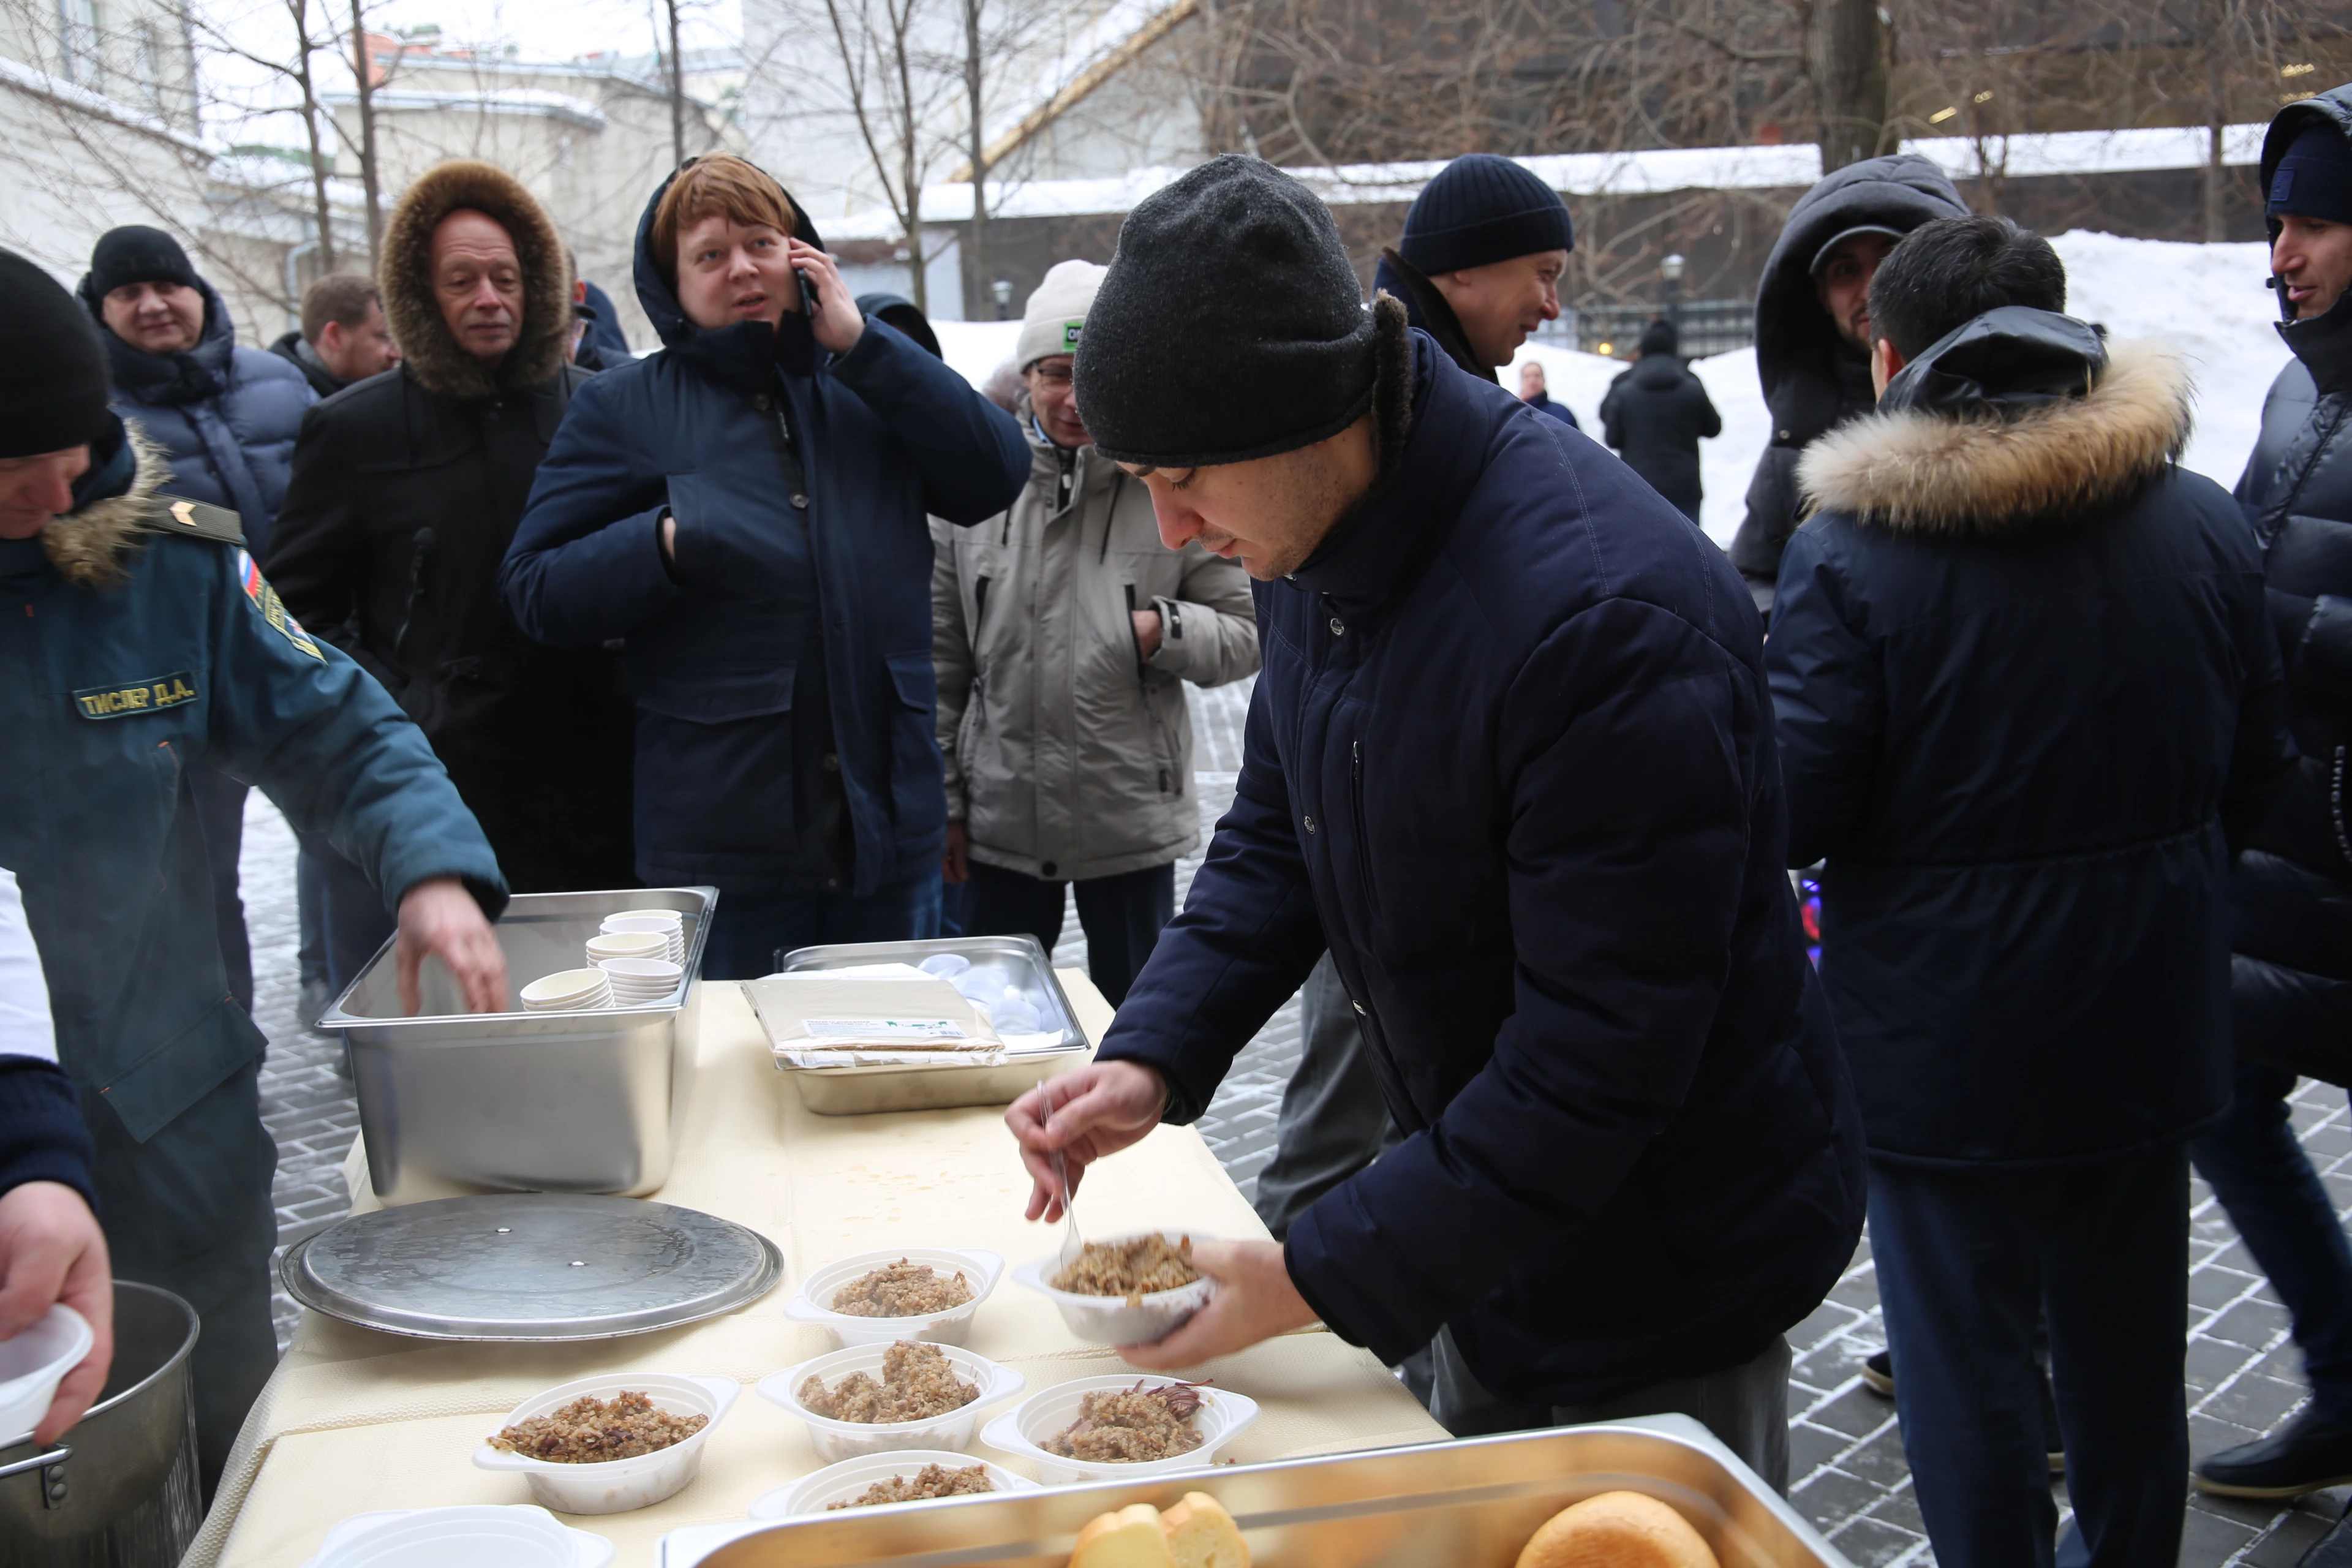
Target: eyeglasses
{"x":1054,"y":376}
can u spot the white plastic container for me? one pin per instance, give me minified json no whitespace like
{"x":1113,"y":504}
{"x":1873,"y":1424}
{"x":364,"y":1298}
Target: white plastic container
{"x":810,"y":1304}
{"x":616,"y":1485}
{"x":518,"y":1536}
{"x":1023,"y":1430}
{"x":839,"y":1440}
{"x":816,"y":1492}
{"x":33,"y":1364}
{"x":1108,"y":1319}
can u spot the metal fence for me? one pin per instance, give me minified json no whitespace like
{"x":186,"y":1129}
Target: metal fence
{"x":1708,"y":327}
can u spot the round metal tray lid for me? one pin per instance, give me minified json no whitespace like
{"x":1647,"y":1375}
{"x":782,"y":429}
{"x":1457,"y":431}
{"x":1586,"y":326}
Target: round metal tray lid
{"x":531,"y":1266}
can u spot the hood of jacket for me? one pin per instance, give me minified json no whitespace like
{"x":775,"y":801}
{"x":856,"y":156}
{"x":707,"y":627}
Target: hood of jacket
{"x":296,"y":350}
{"x":190,"y":375}
{"x":90,"y":544}
{"x":1797,"y":347}
{"x":2020,"y":419}
{"x":743,"y":356}
{"x":433,"y":356}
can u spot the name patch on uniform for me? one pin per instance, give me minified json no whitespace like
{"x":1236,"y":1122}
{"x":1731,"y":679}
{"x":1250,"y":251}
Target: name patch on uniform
{"x":273,"y":608}
{"x":138,"y":697}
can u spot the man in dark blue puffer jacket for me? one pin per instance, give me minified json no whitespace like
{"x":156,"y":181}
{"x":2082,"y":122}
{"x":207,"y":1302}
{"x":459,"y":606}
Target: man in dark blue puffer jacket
{"x":2028,"y":704}
{"x":2292,"y":974}
{"x":227,"y":419}
{"x":1511,"y":760}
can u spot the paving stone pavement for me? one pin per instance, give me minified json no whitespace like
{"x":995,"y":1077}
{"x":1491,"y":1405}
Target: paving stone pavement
{"x":1848,"y":1473}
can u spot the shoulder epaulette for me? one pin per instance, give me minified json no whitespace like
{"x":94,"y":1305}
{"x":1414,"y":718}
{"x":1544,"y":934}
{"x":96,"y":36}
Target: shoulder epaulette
{"x":192,"y":519}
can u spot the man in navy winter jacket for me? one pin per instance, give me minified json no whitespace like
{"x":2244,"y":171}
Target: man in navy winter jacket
{"x":225,"y":419}
{"x":747,"y":509}
{"x":1511,"y":760}
{"x":2029,"y":702}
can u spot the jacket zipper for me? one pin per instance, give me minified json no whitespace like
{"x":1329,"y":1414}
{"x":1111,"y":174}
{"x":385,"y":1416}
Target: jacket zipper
{"x":1363,"y":839}
{"x":418,"y":556}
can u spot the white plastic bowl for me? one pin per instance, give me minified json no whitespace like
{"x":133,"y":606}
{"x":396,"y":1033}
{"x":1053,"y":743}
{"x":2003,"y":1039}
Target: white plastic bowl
{"x":1022,"y":1431}
{"x":516,"y":1536}
{"x":816,"y":1492}
{"x":810,"y":1304}
{"x":616,"y":1485}
{"x":33,"y":1364}
{"x":1108,"y":1319}
{"x":838,"y":1440}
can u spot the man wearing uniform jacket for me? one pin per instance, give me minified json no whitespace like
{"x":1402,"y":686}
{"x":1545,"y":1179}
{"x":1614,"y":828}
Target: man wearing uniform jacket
{"x":1813,"y":326}
{"x":1511,"y":760}
{"x":2029,"y":702}
{"x":406,"y":490}
{"x":138,"y":641}
{"x":1063,"y":632}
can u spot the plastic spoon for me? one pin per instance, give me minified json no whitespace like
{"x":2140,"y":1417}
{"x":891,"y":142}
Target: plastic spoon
{"x":1073,"y":1247}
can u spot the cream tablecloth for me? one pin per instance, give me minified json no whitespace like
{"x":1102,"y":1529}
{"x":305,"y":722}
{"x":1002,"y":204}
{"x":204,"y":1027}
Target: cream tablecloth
{"x":356,"y":1420}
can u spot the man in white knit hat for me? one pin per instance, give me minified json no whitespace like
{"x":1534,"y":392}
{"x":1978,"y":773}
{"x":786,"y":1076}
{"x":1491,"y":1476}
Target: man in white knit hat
{"x":1064,"y":632}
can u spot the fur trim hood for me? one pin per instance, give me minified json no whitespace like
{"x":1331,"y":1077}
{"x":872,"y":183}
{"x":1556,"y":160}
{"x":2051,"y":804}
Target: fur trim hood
{"x":90,"y":547}
{"x":1990,"y":473}
{"x":406,"y":276}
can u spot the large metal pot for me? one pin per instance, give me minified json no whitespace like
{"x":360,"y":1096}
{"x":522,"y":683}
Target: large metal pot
{"x":119,"y":1490}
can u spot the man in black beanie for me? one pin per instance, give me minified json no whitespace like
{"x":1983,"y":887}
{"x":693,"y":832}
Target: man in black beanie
{"x":1478,"y":268}
{"x":1511,"y":762}
{"x":2291,"y":986}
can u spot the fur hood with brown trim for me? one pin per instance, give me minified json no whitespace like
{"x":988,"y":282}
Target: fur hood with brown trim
{"x":91,"y":547}
{"x":405,"y":274}
{"x":2006,"y":428}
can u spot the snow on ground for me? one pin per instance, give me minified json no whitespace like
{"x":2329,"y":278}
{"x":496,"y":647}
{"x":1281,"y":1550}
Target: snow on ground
{"x":2208,"y":298}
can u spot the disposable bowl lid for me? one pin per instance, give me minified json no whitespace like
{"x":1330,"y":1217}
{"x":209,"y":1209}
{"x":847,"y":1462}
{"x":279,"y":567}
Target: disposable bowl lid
{"x":628,"y":943}
{"x":640,"y":969}
{"x":783,"y":1388}
{"x":675,"y":919}
{"x":565,"y":984}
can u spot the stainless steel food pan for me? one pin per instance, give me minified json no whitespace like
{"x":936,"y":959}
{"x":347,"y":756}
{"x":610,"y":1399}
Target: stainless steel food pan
{"x":587,"y":1102}
{"x":1019,"y":961}
{"x":1445,"y":1505}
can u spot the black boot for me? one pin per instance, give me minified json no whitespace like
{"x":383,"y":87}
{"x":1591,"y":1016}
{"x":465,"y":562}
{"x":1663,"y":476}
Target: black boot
{"x":2306,"y":1455}
{"x":1878,"y":1374}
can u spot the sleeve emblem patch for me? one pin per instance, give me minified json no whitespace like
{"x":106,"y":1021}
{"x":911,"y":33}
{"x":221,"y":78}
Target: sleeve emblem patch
{"x":273,"y":608}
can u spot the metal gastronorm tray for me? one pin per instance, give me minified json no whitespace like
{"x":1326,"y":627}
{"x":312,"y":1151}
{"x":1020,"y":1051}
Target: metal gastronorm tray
{"x":1445,"y":1505}
{"x":852,"y":1091}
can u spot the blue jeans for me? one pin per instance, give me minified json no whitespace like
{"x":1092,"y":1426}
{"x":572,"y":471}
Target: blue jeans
{"x":352,"y":918}
{"x":752,"y":930}
{"x":2259,"y":1171}
{"x":1966,"y":1260}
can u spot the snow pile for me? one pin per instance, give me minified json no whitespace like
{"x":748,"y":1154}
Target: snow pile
{"x":2208,"y":298}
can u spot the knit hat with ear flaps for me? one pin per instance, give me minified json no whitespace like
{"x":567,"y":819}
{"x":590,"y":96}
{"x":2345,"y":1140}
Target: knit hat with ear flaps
{"x":55,"y":396}
{"x":1483,"y":209}
{"x":1229,"y":327}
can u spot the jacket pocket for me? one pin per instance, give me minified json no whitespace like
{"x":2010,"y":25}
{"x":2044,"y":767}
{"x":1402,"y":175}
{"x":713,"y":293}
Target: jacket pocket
{"x":717,"y":696}
{"x":918,"y":789}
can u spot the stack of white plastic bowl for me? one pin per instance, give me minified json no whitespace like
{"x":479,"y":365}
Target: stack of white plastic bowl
{"x":568,"y":991}
{"x":627,"y":945}
{"x":668,"y":923}
{"x":637,"y":980}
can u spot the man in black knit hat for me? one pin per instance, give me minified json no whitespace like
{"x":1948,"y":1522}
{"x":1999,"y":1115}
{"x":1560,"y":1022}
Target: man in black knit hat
{"x":1511,"y":763}
{"x":1479,"y":266}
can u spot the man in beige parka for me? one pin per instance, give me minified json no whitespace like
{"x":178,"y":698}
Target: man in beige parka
{"x":1063,"y":632}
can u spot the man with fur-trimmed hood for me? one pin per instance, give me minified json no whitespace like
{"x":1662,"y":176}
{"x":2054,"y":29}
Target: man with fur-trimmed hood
{"x":406,"y":490}
{"x":2030,"y":704}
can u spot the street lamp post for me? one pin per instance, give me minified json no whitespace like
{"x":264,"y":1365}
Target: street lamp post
{"x":1670,"y":271}
{"x":1002,"y":290}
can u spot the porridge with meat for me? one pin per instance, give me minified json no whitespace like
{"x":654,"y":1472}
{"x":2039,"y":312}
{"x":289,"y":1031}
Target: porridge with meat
{"x":1133,"y":1268}
{"x":930,"y":1482}
{"x":1131,"y":1425}
{"x":901,"y":1290}
{"x":918,"y":1383}
{"x":590,"y":1431}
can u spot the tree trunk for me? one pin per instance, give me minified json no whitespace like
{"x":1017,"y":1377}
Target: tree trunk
{"x":677,"y":90}
{"x":365,"y":66}
{"x":322,"y":211}
{"x":1850,"y":47}
{"x":976,"y":240}
{"x":2217,"y":115}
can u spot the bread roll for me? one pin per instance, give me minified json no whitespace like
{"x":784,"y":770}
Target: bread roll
{"x":1203,"y":1535}
{"x":1617,"y":1529}
{"x":1131,"y":1538}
